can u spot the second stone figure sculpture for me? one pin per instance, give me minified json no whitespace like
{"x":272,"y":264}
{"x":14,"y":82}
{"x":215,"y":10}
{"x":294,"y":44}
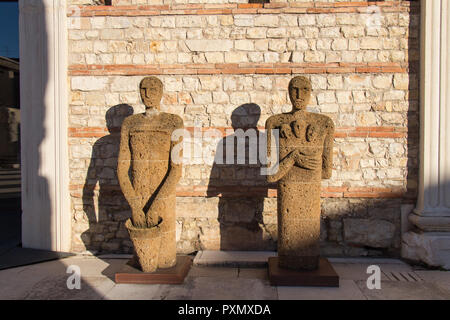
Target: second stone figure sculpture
{"x":305,"y":154}
{"x":148,"y":176}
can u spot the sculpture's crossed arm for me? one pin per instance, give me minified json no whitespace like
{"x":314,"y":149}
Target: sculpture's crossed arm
{"x":169,"y":183}
{"x":327,"y":155}
{"x":284,"y":165}
{"x":296,"y":157}
{"x":123,"y":166}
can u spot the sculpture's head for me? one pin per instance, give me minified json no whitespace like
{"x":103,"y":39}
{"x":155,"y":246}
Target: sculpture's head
{"x":151,"y":89}
{"x":300,"y":92}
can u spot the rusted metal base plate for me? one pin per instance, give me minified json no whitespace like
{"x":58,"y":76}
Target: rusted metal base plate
{"x":174,"y":275}
{"x":324,"y":276}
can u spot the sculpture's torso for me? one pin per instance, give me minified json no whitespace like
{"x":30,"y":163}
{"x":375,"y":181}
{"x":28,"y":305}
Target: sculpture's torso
{"x":150,"y":141}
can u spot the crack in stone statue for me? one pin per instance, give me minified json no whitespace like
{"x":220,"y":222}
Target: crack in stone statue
{"x":306,"y":157}
{"x":148,"y":177}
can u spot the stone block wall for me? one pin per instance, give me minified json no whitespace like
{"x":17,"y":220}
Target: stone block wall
{"x":226,"y":65}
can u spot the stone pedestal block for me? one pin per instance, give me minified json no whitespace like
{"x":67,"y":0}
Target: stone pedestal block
{"x":323,"y":276}
{"x":130,"y":273}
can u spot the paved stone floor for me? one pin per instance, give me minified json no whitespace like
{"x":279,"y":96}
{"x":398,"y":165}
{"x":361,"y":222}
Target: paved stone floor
{"x":48,"y":280}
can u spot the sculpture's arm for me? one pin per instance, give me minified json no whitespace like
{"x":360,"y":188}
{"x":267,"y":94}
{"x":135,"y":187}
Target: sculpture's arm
{"x":284,"y":165}
{"x":174,"y":173}
{"x":327,"y":155}
{"x":123,"y":166}
{"x":308,"y":162}
{"x":283,"y":168}
{"x":169,"y":183}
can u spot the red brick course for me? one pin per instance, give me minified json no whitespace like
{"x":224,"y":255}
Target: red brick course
{"x":252,"y":191}
{"x":247,"y":8}
{"x":236,"y":68}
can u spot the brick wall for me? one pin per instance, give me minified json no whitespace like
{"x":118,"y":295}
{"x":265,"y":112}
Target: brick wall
{"x":216,"y":58}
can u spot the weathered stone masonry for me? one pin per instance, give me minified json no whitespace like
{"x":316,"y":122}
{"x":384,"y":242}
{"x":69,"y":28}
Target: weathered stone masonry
{"x":214,"y":58}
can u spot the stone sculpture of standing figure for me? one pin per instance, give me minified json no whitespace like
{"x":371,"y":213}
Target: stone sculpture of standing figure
{"x":148,"y":176}
{"x":305,"y":158}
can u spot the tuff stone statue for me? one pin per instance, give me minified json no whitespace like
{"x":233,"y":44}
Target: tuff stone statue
{"x":148,"y":176}
{"x":305,"y":153}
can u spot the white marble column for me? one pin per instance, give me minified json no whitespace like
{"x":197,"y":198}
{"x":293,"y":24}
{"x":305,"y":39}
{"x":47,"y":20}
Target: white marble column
{"x":429,"y":240}
{"x":44,"y":108}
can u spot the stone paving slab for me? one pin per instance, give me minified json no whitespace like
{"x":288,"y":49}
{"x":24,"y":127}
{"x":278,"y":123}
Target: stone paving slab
{"x":93,"y":266}
{"x":347,"y":290}
{"x":48,"y":280}
{"x":202,"y":288}
{"x":254,"y":273}
{"x":115,"y":256}
{"x":396,"y":290}
{"x":15,"y":283}
{"x":439,"y":278}
{"x":259,"y":259}
{"x":26,"y":282}
{"x":353,"y":271}
{"x":233,"y":258}
{"x":55,"y":288}
{"x":220,"y":272}
{"x":134,"y":292}
{"x":358,"y":271}
{"x":363,"y":260}
{"x":18,"y":256}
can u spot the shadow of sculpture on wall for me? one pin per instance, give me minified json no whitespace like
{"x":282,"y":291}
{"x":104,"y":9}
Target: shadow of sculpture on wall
{"x":105,"y":205}
{"x":241,"y":212}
